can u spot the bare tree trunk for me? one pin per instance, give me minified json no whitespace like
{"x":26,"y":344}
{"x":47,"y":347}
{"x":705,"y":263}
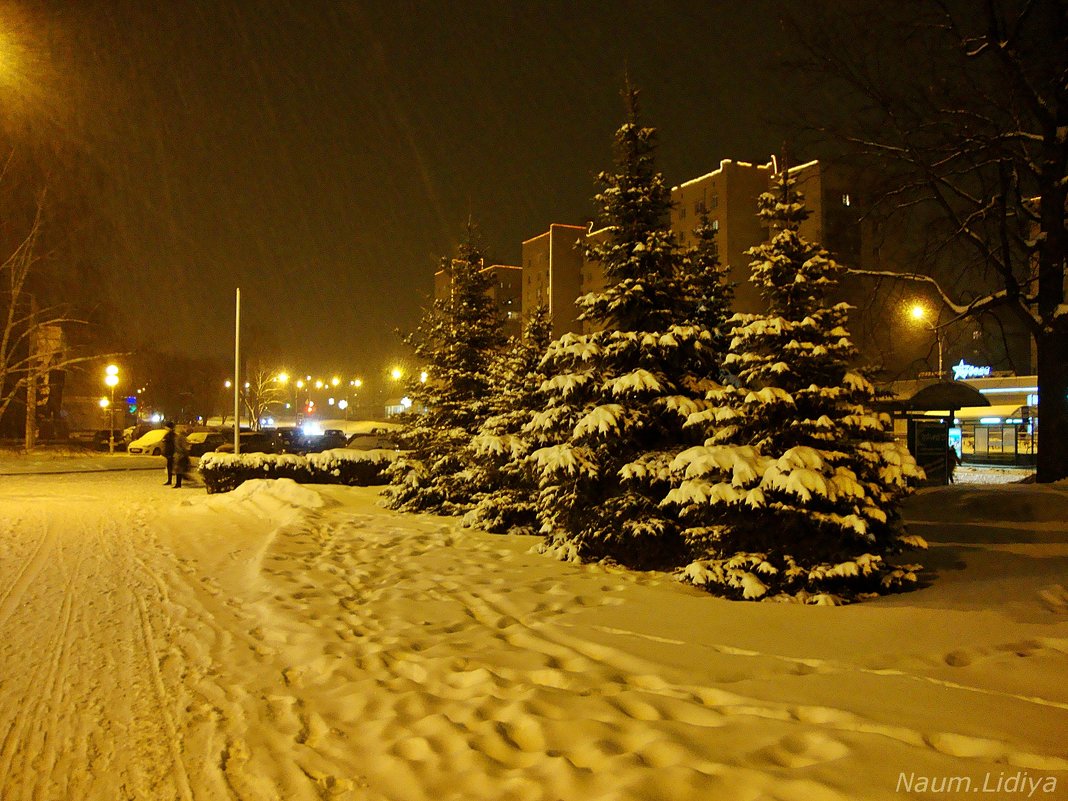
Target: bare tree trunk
{"x":31,"y":380}
{"x":1053,"y":403}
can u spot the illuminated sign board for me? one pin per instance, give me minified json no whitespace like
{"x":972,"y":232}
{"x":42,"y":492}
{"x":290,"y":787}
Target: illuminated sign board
{"x":963,"y":371}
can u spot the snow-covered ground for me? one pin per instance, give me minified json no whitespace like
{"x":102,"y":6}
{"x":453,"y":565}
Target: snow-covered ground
{"x":288,"y":642}
{"x":974,"y":474}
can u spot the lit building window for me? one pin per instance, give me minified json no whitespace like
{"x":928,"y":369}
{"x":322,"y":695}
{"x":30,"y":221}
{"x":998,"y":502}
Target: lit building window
{"x":847,"y":200}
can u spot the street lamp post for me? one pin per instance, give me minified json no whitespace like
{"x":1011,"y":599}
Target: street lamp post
{"x":283,"y":379}
{"x":919,"y":314}
{"x":356,"y":384}
{"x":111,"y":378}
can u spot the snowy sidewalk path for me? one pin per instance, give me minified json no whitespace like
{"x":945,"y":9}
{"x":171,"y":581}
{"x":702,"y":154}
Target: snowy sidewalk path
{"x":287,"y":642}
{"x":54,"y":464}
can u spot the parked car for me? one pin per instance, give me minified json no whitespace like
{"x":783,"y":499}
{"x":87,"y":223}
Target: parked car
{"x":201,"y":442}
{"x":371,"y":442}
{"x":151,"y":443}
{"x":290,"y":440}
{"x":98,"y":440}
{"x":331,"y":438}
{"x":254,"y":442}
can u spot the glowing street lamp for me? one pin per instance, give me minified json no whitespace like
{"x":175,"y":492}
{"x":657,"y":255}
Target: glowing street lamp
{"x":111,"y":379}
{"x":283,"y":379}
{"x":396,"y":374}
{"x":918,"y":312}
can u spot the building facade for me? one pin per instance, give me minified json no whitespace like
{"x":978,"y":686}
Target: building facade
{"x":556,"y":273}
{"x":728,"y":196}
{"x":553,"y":275}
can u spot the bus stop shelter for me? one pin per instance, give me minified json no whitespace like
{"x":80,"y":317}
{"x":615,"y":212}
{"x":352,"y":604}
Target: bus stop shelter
{"x":928,"y":433}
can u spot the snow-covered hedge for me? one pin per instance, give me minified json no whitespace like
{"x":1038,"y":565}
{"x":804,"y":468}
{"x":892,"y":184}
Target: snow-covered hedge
{"x":223,"y":472}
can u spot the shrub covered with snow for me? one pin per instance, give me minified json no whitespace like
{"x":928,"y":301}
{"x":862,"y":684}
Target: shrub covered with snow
{"x":796,"y":487}
{"x":223,"y":472}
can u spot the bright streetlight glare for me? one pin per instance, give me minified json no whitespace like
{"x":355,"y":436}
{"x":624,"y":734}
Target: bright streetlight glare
{"x":283,"y":378}
{"x":396,"y":373}
{"x":111,"y":379}
{"x":918,"y":312}
{"x":335,"y":381}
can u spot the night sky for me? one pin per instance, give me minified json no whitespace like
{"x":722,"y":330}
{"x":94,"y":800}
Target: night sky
{"x":324,"y":154}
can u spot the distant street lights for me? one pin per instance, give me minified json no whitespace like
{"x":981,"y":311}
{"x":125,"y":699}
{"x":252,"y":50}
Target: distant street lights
{"x":283,"y":379}
{"x":918,"y":312}
{"x":111,"y":379}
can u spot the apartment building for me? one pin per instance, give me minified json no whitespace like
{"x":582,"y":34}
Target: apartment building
{"x":553,"y":267}
{"x":728,"y":195}
{"x":556,"y":273}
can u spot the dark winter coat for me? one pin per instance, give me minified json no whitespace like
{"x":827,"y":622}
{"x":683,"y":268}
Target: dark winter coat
{"x":168,"y":443}
{"x":180,"y":448}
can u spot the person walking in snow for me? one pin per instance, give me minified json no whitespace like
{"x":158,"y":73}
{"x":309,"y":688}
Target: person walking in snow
{"x":181,"y":458}
{"x":952,"y":460}
{"x":168,"y":450}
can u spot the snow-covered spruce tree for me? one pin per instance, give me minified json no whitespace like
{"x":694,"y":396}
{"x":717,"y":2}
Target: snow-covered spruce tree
{"x":796,"y":488}
{"x":614,"y":401}
{"x":505,"y":500}
{"x":454,"y":344}
{"x":710,"y":293}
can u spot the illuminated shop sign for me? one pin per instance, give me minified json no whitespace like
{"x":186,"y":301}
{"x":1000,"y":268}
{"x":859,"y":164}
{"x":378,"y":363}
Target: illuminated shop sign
{"x":963,"y":371}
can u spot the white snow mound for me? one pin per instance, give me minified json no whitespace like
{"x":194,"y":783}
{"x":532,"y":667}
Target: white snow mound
{"x":278,"y":499}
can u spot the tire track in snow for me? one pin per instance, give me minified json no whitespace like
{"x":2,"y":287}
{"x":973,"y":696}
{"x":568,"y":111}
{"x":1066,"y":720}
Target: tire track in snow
{"x":37,"y":751}
{"x":26,"y":574}
{"x":180,"y":774}
{"x":85,"y":718}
